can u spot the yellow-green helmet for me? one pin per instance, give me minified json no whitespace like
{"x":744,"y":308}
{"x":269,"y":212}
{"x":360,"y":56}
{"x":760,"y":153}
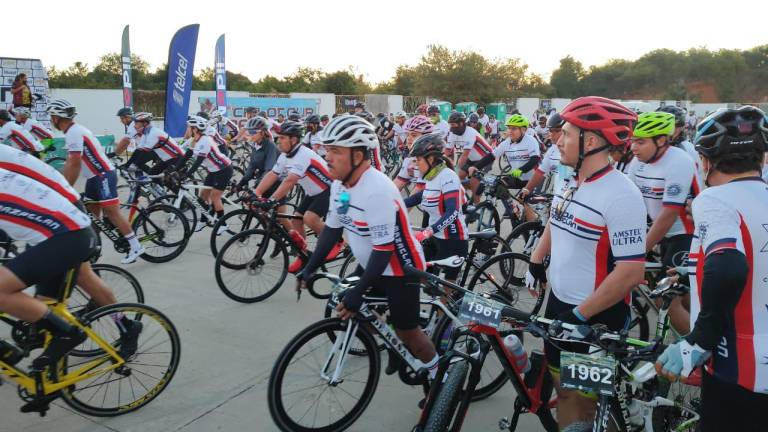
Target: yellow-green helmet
{"x":517,"y":120}
{"x":653,"y":124}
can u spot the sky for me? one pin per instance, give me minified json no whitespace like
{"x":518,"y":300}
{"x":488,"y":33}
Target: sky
{"x":373,"y":38}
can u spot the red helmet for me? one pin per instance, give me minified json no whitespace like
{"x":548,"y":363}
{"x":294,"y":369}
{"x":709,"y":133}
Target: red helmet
{"x":609,"y":118}
{"x":422,"y":109}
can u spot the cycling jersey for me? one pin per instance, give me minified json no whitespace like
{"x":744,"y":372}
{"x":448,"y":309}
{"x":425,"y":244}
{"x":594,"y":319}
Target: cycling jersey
{"x":493,"y":127}
{"x":410,"y":173}
{"x":443,"y":128}
{"x":445,"y":185}
{"x":735,"y":216}
{"x":313,"y":141}
{"x":157,"y":140}
{"x":228,"y":127}
{"x":37,"y":129}
{"x":78,"y":139}
{"x":376,"y":219}
{"x":483,"y":120}
{"x":550,"y":165}
{"x":32,"y":212}
{"x":19,"y":137}
{"x":519,"y":153}
{"x":690,"y":150}
{"x":27,"y":165}
{"x":765,"y":173}
{"x":311,"y":169}
{"x":601,"y":223}
{"x":470,"y":141}
{"x":214,"y":160}
{"x":400,"y":133}
{"x":667,"y":182}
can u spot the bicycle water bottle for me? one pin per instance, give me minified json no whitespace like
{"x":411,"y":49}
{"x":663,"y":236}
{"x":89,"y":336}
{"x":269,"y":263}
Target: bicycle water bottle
{"x":519,"y":355}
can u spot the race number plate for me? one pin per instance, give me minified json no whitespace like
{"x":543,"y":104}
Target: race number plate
{"x":481,"y":310}
{"x":587,"y":372}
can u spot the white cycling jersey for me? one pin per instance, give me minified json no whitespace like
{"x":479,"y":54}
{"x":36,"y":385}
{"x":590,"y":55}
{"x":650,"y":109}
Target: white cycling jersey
{"x":735,"y":216}
{"x":690,"y":150}
{"x":603,"y":222}
{"x":32,"y":212}
{"x":27,"y":165}
{"x":517,"y":154}
{"x":78,"y":139}
{"x":37,"y":129}
{"x":410,"y":173}
{"x":214,"y":161}
{"x":443,"y":128}
{"x":311,"y":169}
{"x":445,"y":185}
{"x":375,"y":219}
{"x":667,"y":182}
{"x":400,"y":133}
{"x":313,"y":141}
{"x":471,"y":142}
{"x":157,"y":140}
{"x":19,"y":137}
{"x":550,"y":165}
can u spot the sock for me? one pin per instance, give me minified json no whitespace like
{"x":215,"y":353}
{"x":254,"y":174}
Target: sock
{"x":54,"y":323}
{"x":219,"y":213}
{"x":133,"y":241}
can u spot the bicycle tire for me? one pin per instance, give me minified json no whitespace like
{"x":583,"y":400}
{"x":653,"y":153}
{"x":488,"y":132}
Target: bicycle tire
{"x":486,"y":217}
{"x":187,"y":209}
{"x":275,"y":396}
{"x":523,"y":232}
{"x":237,"y":221}
{"x":511,"y":286}
{"x":156,"y":240}
{"x":446,"y":402}
{"x":253,"y":266}
{"x":154,"y":323}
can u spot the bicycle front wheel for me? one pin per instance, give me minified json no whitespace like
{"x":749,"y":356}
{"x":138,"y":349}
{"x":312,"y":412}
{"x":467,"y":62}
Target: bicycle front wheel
{"x":444,"y":408}
{"x":300,"y":395}
{"x":236,"y":221}
{"x":147,"y":371}
{"x":163,"y":231}
{"x":505,"y":275}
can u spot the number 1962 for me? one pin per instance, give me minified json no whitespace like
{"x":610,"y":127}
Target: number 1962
{"x":590,"y":373}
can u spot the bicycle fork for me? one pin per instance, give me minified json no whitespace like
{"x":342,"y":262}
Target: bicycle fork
{"x":340,"y":350}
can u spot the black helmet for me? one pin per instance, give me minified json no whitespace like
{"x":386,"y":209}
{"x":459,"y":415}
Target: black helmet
{"x":427,"y":144}
{"x":5,"y":115}
{"x":291,"y":128}
{"x":204,"y":115}
{"x":366,"y":115}
{"x":677,"y":112}
{"x":127,"y":111}
{"x":481,"y":110}
{"x":262,"y":114}
{"x":256,"y":124}
{"x":294,"y":117}
{"x":473,"y":118}
{"x":251,"y":110}
{"x":324,"y":117}
{"x":314,"y":118}
{"x":433,"y":110}
{"x":360,"y":105}
{"x":555,"y":121}
{"x":457,"y":117}
{"x":730,"y":131}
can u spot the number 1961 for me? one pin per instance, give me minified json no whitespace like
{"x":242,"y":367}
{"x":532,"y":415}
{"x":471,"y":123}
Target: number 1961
{"x":484,"y":310}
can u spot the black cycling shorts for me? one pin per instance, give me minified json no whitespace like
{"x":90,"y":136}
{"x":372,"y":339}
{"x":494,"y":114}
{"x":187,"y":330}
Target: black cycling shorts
{"x":674,"y":250}
{"x":510,"y":182}
{"x":445,"y":249}
{"x":726,"y":406}
{"x":317,"y":204}
{"x":164,"y":165}
{"x":616,"y":318}
{"x":47,"y":263}
{"x":219,"y":180}
{"x":403,"y":295}
{"x":469,"y":164}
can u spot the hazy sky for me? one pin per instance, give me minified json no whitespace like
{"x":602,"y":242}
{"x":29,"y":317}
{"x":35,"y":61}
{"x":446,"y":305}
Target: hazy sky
{"x":374,"y":37}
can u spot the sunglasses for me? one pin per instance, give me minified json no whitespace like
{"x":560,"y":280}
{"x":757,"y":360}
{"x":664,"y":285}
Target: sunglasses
{"x":253,"y":132}
{"x":343,"y":207}
{"x":566,"y":201}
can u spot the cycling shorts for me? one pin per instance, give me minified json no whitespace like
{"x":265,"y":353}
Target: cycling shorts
{"x":219,"y":180}
{"x":403,"y":296}
{"x":317,"y":204}
{"x":102,"y":189}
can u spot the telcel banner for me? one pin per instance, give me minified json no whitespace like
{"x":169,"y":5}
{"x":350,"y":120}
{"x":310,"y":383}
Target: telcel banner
{"x":181,"y":63}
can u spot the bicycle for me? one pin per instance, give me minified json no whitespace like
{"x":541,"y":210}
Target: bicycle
{"x":484,"y":214}
{"x":91,"y":368}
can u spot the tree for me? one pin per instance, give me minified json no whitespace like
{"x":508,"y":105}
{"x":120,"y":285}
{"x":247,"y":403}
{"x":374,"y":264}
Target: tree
{"x":339,"y":82}
{"x":566,"y":79}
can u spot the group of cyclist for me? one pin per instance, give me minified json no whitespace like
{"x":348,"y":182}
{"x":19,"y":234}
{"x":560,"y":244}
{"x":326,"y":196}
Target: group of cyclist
{"x":624,"y":185}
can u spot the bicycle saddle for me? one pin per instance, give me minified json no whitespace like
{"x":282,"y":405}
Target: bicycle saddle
{"x":452,"y":261}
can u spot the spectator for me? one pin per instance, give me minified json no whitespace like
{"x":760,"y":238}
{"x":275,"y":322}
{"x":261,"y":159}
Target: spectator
{"x":22,"y":95}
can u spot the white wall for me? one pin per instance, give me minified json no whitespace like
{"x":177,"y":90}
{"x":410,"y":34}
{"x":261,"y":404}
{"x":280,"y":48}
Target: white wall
{"x":526,"y":106}
{"x":327,"y":101}
{"x":702,"y":109}
{"x":395,"y":103}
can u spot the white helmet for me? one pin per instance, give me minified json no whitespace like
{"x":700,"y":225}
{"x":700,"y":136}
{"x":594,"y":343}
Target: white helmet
{"x":22,"y":111}
{"x":350,"y":131}
{"x":197,"y":122}
{"x":216,"y":118}
{"x":400,"y":114}
{"x":143,"y":117}
{"x":61,"y":108}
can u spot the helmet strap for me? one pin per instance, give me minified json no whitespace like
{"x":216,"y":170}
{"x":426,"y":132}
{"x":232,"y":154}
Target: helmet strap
{"x":346,"y":179}
{"x":656,"y":154}
{"x":583,"y":155}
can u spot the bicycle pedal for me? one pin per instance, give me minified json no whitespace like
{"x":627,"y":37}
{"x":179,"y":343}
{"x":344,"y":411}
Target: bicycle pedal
{"x":504,"y":423}
{"x":39,"y":405}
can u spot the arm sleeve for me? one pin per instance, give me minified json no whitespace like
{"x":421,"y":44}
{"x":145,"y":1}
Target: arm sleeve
{"x":485,"y":161}
{"x":414,"y":199}
{"x":328,"y":238}
{"x":253,"y":164}
{"x":451,"y":206}
{"x":377,"y":263}
{"x":625,"y":220}
{"x":532,"y":163}
{"x":678,"y":182}
{"x":195,"y":165}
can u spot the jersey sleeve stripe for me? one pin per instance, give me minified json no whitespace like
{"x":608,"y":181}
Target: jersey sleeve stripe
{"x":722,"y":244}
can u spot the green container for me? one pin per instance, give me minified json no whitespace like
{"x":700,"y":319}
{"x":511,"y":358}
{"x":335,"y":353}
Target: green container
{"x":106,"y":141}
{"x":466,"y":107}
{"x":445,"y":109}
{"x":500,"y":111}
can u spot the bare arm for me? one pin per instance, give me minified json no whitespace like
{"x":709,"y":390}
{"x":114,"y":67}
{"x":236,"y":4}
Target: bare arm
{"x":535,"y":181}
{"x":122,"y":145}
{"x":72,"y":167}
{"x":660,"y":227}
{"x":285,"y":187}
{"x":266,"y":182}
{"x":544,"y":247}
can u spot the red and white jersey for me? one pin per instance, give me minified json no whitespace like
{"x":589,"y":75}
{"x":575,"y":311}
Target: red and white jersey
{"x":313,"y":141}
{"x":78,"y":139}
{"x":37,"y":129}
{"x":214,"y":161}
{"x":445,"y":185}
{"x":550,"y":165}
{"x":32,"y":212}
{"x":443,"y":128}
{"x":667,"y":182}
{"x":471,"y":141}
{"x":735,"y":216}
{"x":517,"y":154}
{"x":376,"y":219}
{"x":410,"y":173}
{"x":27,"y":165}
{"x":690,"y":150}
{"x":308,"y":166}
{"x":157,"y":140}
{"x":17,"y":136}
{"x":604,"y":223}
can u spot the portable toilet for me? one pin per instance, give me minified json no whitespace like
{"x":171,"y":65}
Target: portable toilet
{"x":445,"y":109}
{"x":466,"y":107}
{"x":499,"y":109}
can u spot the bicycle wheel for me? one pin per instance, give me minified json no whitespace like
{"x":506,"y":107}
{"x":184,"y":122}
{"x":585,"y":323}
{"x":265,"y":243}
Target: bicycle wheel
{"x":251,"y":266}
{"x":142,"y":378}
{"x":485,"y":216}
{"x":505,"y":275}
{"x":123,"y":284}
{"x":445,"y":404}
{"x":519,"y":239}
{"x":186,"y":208}
{"x":236,"y":221}
{"x":300,"y":398}
{"x":683,"y":416}
{"x":163,"y":231}
{"x":322,"y":289}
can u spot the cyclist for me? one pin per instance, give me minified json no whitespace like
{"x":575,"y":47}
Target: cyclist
{"x":473,"y":148}
{"x":17,"y":136}
{"x":483,"y":119}
{"x":679,"y":139}
{"x":474,"y":123}
{"x":409,"y":172}
{"x":303,"y":166}
{"x":376,"y":152}
{"x":312,"y":137}
{"x":385,"y":130}
{"x":540,"y":130}
{"x":422,"y":110}
{"x":366,"y":205}
{"x":493,"y":130}
{"x":324,"y":120}
{"x":441,"y":126}
{"x":219,"y":169}
{"x":219,"y":131}
{"x":142,"y":153}
{"x":728,"y":270}
{"x":264,"y":153}
{"x":126,"y":118}
{"x":100,"y":177}
{"x":24,"y":118}
{"x":250,"y":112}
{"x":166,"y":153}
{"x":441,"y":198}
{"x":550,"y":162}
{"x":400,"y":133}
{"x":595,"y":236}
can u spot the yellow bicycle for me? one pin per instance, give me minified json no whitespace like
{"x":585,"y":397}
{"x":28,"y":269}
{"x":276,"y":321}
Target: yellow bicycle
{"x":95,"y":378}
